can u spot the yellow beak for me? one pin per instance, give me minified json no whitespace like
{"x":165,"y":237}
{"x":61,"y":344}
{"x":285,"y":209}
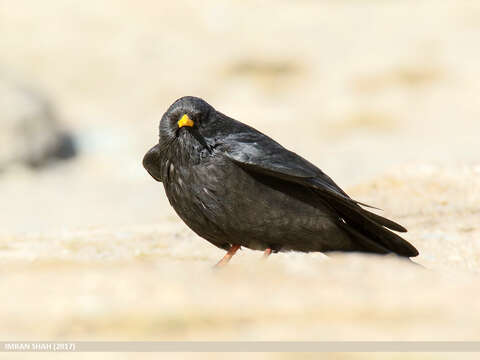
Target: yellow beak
{"x":185,"y":121}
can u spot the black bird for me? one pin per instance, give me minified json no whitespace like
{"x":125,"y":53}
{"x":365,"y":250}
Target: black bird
{"x":235,"y":186}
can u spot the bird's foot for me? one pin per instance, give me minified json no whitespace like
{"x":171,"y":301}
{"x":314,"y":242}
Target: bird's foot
{"x":224,"y":261}
{"x":267,"y":253}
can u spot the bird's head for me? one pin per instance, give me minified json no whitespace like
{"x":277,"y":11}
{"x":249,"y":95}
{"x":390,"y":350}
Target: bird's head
{"x":189,"y":126}
{"x":189,"y":118}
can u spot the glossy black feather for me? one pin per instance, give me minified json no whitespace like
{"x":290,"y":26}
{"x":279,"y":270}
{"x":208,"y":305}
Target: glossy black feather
{"x":232,"y":184}
{"x":151,"y":162}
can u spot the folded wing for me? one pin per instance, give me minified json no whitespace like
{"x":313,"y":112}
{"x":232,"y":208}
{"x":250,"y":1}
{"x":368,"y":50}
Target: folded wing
{"x":255,"y":152}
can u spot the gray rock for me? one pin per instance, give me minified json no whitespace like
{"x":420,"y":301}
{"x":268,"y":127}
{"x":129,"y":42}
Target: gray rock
{"x":30,"y":133}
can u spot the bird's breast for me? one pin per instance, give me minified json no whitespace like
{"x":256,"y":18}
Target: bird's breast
{"x":196,"y":192}
{"x":216,"y":193}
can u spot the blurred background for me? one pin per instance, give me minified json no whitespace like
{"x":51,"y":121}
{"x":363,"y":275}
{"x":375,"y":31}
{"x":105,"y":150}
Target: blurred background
{"x":357,"y":87}
{"x":382,"y":95}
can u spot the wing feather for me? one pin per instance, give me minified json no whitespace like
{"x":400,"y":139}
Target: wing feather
{"x":256,"y":152}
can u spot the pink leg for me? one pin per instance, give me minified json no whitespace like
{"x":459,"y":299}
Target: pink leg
{"x":267,"y":253}
{"x":224,"y":261}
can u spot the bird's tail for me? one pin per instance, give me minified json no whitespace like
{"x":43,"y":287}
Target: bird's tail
{"x":372,"y":231}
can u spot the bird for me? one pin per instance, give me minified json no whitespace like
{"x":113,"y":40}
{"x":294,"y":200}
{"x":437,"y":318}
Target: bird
{"x":236,"y":187}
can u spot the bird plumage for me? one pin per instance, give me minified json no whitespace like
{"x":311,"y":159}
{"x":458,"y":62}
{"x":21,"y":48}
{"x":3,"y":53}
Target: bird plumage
{"x":233,"y":185}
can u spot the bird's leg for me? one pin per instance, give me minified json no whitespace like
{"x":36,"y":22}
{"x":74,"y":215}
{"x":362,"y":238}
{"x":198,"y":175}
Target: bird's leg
{"x":224,"y":261}
{"x":267,"y":253}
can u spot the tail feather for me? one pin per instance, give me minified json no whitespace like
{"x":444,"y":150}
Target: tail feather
{"x":373,"y":227}
{"x":392,"y":225}
{"x":391,"y":240}
{"x":364,"y":242}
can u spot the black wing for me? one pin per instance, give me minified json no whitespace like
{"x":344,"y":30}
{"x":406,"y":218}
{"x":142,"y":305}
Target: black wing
{"x":152,"y":162}
{"x":256,"y":152}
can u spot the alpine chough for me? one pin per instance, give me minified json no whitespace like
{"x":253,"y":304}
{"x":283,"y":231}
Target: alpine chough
{"x":234,"y":186}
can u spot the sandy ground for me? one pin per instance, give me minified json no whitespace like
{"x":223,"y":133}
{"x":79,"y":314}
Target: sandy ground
{"x":156,"y":281}
{"x":382,"y":95}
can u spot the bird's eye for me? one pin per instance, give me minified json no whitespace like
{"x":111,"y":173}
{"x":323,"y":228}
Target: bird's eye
{"x":197,"y":118}
{"x":202,"y":117}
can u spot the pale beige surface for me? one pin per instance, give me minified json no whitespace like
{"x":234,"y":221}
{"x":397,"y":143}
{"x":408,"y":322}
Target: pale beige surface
{"x":156,"y":281}
{"x":382,"y":95}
